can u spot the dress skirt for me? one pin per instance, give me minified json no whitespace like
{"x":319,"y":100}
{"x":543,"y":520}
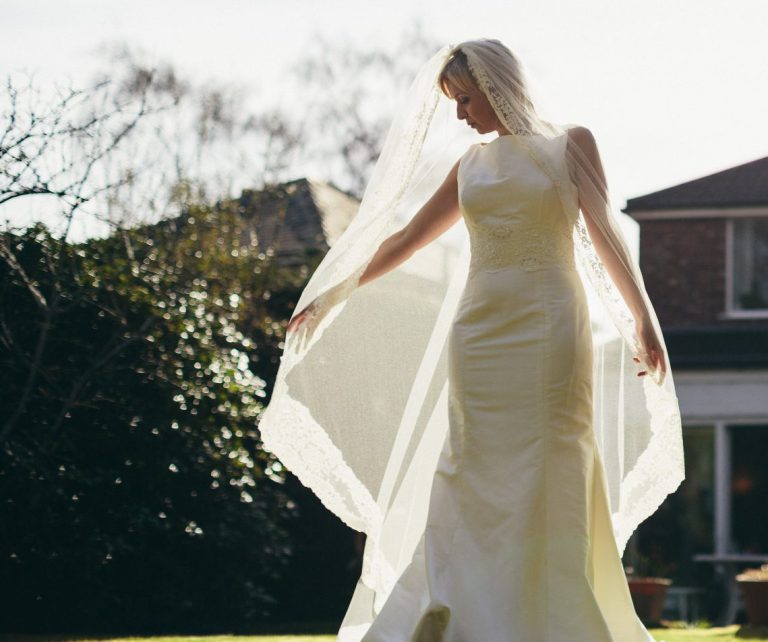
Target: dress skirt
{"x":518,"y":545}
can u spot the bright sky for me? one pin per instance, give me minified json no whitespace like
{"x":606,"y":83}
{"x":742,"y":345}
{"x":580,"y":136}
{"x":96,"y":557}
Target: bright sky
{"x":672,"y":89}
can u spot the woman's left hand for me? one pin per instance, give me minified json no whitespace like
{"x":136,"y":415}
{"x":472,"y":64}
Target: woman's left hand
{"x":651,"y":354}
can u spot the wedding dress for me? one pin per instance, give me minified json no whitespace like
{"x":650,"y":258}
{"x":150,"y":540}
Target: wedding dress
{"x":518,"y":545}
{"x":471,"y":411}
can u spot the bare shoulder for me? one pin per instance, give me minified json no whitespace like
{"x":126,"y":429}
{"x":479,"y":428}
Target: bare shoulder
{"x":582,"y":142}
{"x":581,"y":136}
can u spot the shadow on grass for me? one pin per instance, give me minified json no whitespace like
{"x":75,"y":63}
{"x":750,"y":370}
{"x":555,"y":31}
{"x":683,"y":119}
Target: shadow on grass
{"x":288,"y":632}
{"x":752,"y":632}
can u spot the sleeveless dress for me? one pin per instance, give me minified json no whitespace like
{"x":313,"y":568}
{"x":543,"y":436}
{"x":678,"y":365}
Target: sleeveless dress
{"x":518,"y":545}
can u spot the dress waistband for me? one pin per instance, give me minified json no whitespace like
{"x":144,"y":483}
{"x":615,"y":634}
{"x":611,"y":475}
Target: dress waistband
{"x":530,"y":248}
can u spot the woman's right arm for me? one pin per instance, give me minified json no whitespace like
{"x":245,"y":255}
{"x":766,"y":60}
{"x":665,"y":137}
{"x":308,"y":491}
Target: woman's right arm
{"x":438,"y":214}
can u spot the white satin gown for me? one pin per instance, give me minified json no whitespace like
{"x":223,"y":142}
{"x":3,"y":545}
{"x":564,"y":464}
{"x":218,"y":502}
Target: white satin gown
{"x":518,"y":545}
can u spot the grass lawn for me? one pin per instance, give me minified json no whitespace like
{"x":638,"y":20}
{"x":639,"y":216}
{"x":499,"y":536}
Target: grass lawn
{"x":735,"y":633}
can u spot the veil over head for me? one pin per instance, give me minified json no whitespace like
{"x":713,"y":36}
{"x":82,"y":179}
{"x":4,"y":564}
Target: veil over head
{"x":359,"y":413}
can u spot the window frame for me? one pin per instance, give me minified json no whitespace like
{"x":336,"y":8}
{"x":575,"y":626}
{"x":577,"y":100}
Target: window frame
{"x":730,"y":311}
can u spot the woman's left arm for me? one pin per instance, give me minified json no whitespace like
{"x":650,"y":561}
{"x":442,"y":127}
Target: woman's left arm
{"x":593,"y":198}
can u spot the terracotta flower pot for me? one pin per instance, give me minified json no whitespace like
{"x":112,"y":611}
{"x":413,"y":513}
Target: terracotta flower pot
{"x":648,"y":595}
{"x":753,"y":584}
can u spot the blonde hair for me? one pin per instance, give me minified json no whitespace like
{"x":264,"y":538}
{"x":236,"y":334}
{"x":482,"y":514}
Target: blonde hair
{"x":456,"y":71}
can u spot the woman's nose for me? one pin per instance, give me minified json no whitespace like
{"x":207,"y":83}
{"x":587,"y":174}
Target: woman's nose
{"x":461,"y":114}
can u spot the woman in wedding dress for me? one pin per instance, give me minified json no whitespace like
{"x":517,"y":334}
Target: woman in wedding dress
{"x":515,"y":539}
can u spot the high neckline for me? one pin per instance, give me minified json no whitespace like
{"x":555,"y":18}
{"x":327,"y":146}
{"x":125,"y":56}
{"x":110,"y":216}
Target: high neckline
{"x":491,"y":142}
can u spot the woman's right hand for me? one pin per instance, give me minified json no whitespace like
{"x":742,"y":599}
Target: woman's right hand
{"x":297,"y":320}
{"x":305,"y":323}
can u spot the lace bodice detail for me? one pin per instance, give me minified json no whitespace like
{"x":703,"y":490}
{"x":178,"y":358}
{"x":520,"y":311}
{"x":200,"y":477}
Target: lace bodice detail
{"x":512,"y":209}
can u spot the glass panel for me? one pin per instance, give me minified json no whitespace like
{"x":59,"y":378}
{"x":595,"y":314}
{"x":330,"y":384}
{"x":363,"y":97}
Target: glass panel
{"x":665,"y":543}
{"x":749,"y":489}
{"x":750,"y":264}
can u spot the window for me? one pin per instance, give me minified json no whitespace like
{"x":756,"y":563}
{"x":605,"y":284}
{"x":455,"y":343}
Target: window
{"x":684,"y":524}
{"x":748,"y":287}
{"x":749,"y":489}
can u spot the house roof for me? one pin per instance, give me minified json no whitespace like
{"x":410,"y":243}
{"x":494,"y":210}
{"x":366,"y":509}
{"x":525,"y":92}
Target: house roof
{"x":297,"y":217}
{"x":741,"y":186}
{"x":708,"y":347}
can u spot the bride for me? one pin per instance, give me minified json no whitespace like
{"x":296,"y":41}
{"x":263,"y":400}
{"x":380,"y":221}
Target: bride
{"x":496,"y":433}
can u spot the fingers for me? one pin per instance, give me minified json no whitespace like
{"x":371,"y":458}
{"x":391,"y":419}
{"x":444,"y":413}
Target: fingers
{"x":657,"y":363}
{"x":303,"y":338}
{"x":302,"y":327}
{"x":309,"y":330}
{"x":294,"y":323}
{"x":306,"y":334}
{"x":298,"y":335}
{"x":298,"y":320}
{"x":294,"y":330}
{"x":662,"y":367}
{"x":647,"y":361}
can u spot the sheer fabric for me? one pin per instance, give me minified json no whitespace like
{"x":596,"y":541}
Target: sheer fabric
{"x":359,"y":412}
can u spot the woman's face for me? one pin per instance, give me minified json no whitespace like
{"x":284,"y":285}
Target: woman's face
{"x":473,"y":107}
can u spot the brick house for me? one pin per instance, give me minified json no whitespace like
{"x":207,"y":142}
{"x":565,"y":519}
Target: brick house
{"x":704,"y":258}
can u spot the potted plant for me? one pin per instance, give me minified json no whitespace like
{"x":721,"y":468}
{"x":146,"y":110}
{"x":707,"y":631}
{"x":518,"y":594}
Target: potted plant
{"x":753,"y":584}
{"x":648,"y":588}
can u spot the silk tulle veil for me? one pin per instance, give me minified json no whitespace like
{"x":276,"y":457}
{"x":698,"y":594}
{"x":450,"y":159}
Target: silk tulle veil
{"x":359,"y":412}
